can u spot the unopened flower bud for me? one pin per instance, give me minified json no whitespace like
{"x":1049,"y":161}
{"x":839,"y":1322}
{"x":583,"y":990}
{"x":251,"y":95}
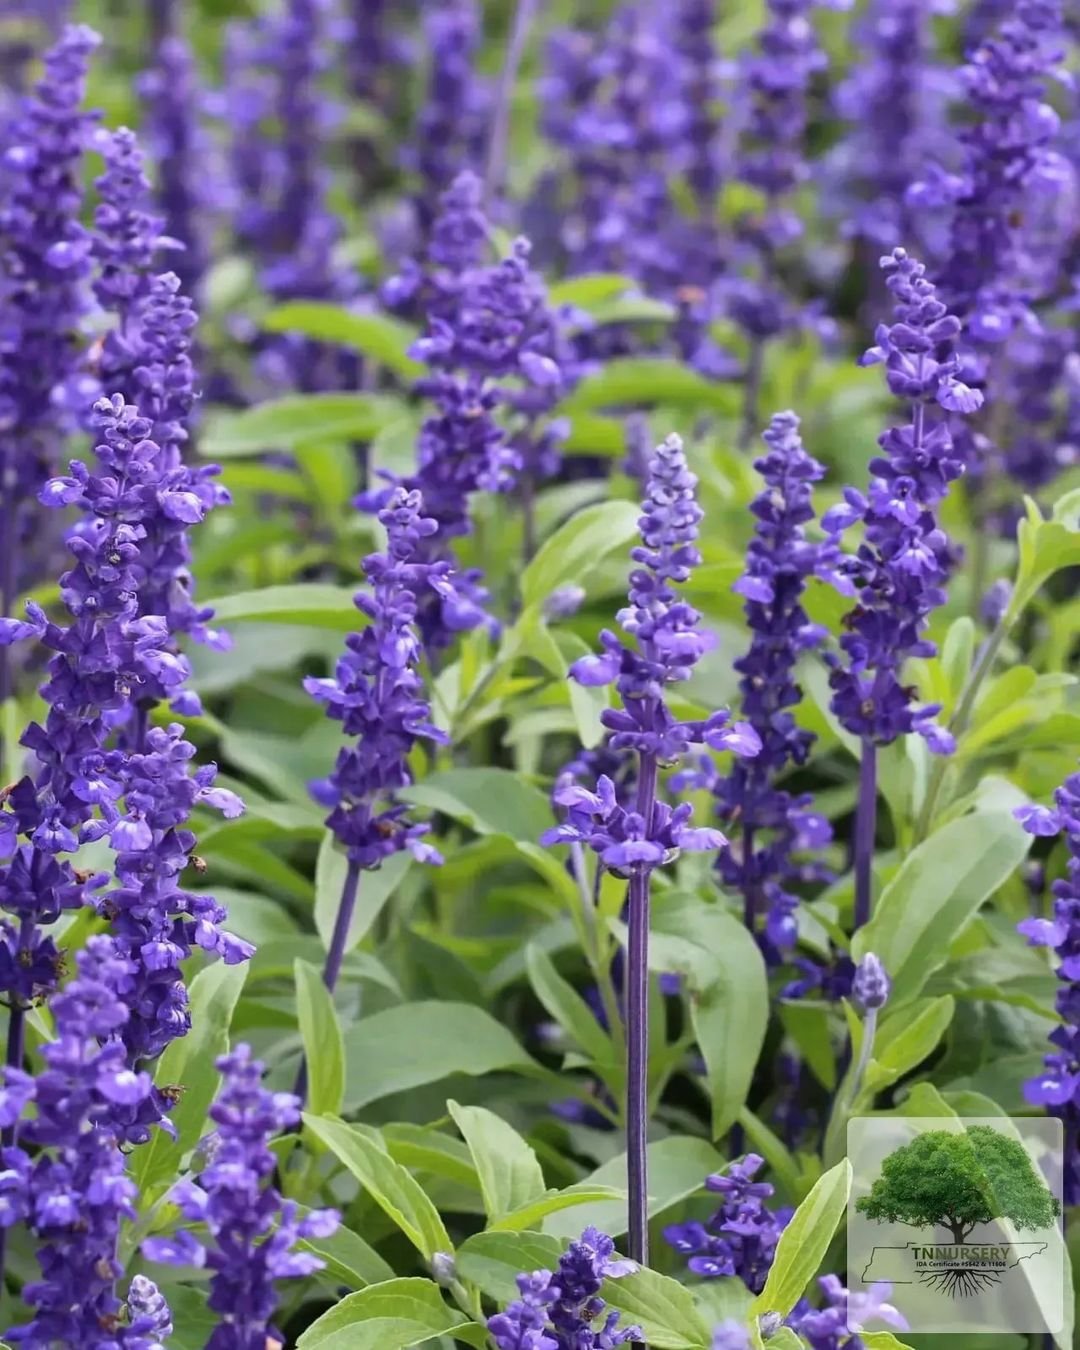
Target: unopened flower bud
{"x":443,"y":1269}
{"x":563,"y":602}
{"x":871,"y":984}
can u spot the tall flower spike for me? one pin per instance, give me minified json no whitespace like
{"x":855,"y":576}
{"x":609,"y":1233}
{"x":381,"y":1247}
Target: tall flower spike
{"x":775,"y":825}
{"x":1058,"y":1087}
{"x":668,"y":644}
{"x":901,"y":567}
{"x":45,"y":260}
{"x":563,"y":1310}
{"x":252,"y":1230}
{"x":74,"y":1192}
{"x":378,"y":696}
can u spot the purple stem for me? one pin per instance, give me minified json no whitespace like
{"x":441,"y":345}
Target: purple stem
{"x":495,"y":169}
{"x":865,"y":831}
{"x":336,"y":955}
{"x":750,"y":891}
{"x":637,"y":1032}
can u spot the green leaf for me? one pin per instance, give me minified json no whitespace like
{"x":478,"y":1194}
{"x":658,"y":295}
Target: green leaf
{"x":785,"y":1339}
{"x":592,"y":289}
{"x":423,"y":1148}
{"x":314,"y":604}
{"x":381,"y":337}
{"x":386,"y":1316}
{"x":293,"y":422}
{"x":906,"y":1040}
{"x":393,"y":1188}
{"x":487,"y":800}
{"x":510,"y":1175}
{"x":493,"y":1261}
{"x":678,"y":1167}
{"x":577,"y":546}
{"x":589,"y":434}
{"x":728,"y":989}
{"x":554,"y":1202}
{"x":189,"y":1064}
{"x":880,"y":1340}
{"x":403,"y":1048}
{"x":805,"y":1240}
{"x":663,"y":1308}
{"x":320,"y":1031}
{"x":348,"y":1257}
{"x":563,"y":1002}
{"x":636,"y":381}
{"x":940,"y":885}
{"x":1046,"y":547}
{"x":373,"y":891}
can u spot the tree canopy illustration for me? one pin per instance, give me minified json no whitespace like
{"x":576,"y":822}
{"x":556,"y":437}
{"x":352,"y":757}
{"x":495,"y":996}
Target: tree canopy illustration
{"x":957,"y":1181}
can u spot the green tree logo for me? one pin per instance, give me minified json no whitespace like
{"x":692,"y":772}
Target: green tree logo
{"x":957,"y":1181}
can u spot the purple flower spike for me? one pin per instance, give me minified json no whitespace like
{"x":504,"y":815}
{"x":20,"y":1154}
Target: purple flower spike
{"x":563,"y":1311}
{"x":252,"y":1230}
{"x":1058,"y":1087}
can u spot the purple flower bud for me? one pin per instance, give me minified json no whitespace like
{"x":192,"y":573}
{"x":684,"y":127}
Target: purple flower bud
{"x":870,"y":987}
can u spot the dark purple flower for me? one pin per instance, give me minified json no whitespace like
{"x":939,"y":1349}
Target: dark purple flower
{"x":1058,"y":1088}
{"x":563,"y":1311}
{"x":900,"y":569}
{"x":377,"y":694}
{"x":252,"y":1230}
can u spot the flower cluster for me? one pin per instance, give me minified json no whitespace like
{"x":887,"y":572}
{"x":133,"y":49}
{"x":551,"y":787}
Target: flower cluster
{"x":562,"y":1310}
{"x":899,"y":571}
{"x":843,"y":1315}
{"x":1058,"y":1087}
{"x":378,"y":696}
{"x":775,"y":824}
{"x":666,"y":629}
{"x":253,"y":1230}
{"x":73,"y":1192}
{"x":740,"y":1238}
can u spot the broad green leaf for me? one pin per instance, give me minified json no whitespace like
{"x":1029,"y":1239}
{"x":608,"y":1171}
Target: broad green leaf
{"x":293,"y":422}
{"x":488,"y":800}
{"x":348,"y":1258}
{"x":386,"y":1316}
{"x":663,"y":1308}
{"x":577,"y":547}
{"x":805,"y":1240}
{"x":393,"y":1188}
{"x":885,"y":1340}
{"x":425,"y":1042}
{"x":590,"y":434}
{"x":423,"y":1148}
{"x":320,"y":1031}
{"x":315,"y":604}
{"x":594,"y":288}
{"x":940,"y":885}
{"x":555,"y":1202}
{"x":374,"y":889}
{"x":510,"y":1175}
{"x":637,"y":381}
{"x":188,"y":1063}
{"x":785,"y":1339}
{"x":493,"y":1261}
{"x":563,"y":1002}
{"x":729,"y":998}
{"x":678,"y":1167}
{"x":381,"y":337}
{"x":1046,"y":547}
{"x":906,"y":1040}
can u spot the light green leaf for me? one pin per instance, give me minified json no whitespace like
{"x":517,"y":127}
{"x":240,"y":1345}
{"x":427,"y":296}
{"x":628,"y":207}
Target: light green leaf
{"x":785,"y":1339}
{"x":403,"y":1048}
{"x":293,"y":422}
{"x":592,"y":289}
{"x":563,"y":1002}
{"x":348,"y":1257}
{"x":510,"y":1175}
{"x":805,"y":1240}
{"x":729,"y":998}
{"x":881,"y":1340}
{"x":1046,"y":547}
{"x":663,"y":1308}
{"x":381,"y":337}
{"x":313,"y":604}
{"x":373,"y":891}
{"x":637,"y":381}
{"x":906,"y":1040}
{"x":386,"y":1316}
{"x":423,"y":1148}
{"x":940,"y":885}
{"x":188,"y":1063}
{"x":555,"y":1202}
{"x":578,"y":546}
{"x":488,"y":800}
{"x":678,"y":1167}
{"x":393,"y":1188}
{"x":320,"y":1031}
{"x":493,"y":1261}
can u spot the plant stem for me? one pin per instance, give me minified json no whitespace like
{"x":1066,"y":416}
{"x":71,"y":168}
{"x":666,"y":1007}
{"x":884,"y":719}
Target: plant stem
{"x":751,"y":394}
{"x":336,"y":953}
{"x":495,"y":168}
{"x":865,"y":830}
{"x":750,"y":892}
{"x":637,"y":1032}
